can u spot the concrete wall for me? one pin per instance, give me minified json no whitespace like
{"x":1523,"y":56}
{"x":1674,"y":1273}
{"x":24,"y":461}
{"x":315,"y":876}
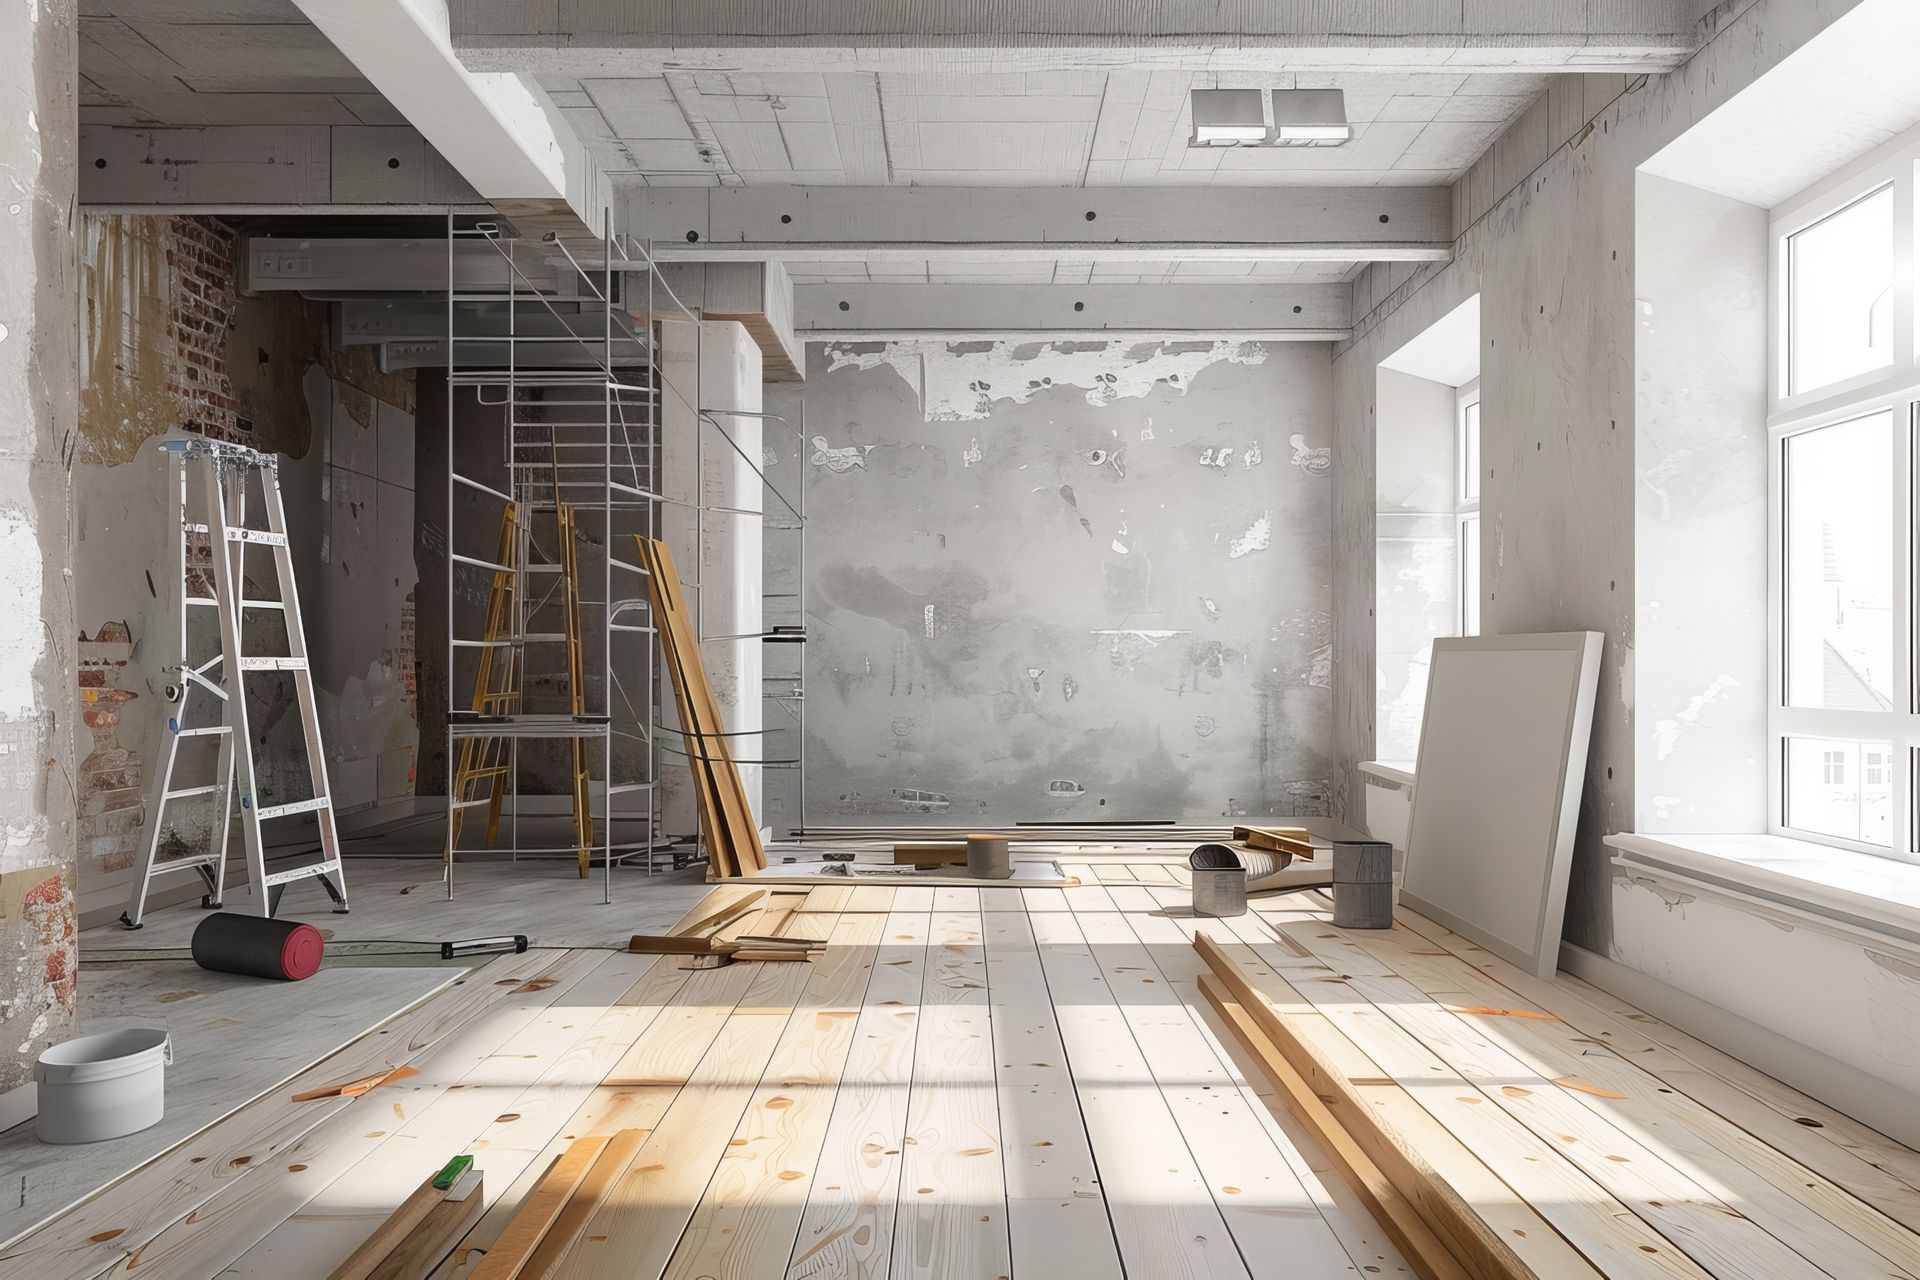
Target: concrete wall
{"x":170,"y":347}
{"x":38,"y":357}
{"x":1417,"y":559}
{"x":1067,"y":581}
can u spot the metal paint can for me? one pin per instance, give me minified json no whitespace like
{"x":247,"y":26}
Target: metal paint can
{"x":1219,"y":881}
{"x":989,"y":858}
{"x":1363,"y":884}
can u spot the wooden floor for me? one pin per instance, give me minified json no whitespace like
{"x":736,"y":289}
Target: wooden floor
{"x":1004,"y":1082}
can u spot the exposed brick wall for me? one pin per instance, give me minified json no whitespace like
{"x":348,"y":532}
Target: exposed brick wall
{"x":200,"y":257}
{"x":112,"y":804}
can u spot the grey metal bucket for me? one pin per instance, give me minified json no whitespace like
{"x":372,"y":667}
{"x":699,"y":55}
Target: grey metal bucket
{"x":103,"y":1086}
{"x":1219,"y":881}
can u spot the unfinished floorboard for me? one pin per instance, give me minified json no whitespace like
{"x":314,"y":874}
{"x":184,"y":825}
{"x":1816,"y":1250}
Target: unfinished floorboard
{"x":1604,"y":1231}
{"x":1833,"y":1229}
{"x":1272,"y":1220}
{"x":1056,"y":1217}
{"x":102,"y":1231}
{"x":846,"y":1227}
{"x":457,"y":1121}
{"x":953,"y":1194}
{"x":214,"y":1238}
{"x":637,"y":1229}
{"x":1163,"y":1213}
{"x":749,"y":1215}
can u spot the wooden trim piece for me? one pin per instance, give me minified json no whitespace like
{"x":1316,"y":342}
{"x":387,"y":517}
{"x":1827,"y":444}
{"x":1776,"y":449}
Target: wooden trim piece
{"x":1408,"y":1144}
{"x":718,"y":919}
{"x":389,"y":1235}
{"x":609,"y":1166}
{"x":1392,"y":1210}
{"x":442,"y":1229}
{"x":516,"y":1245}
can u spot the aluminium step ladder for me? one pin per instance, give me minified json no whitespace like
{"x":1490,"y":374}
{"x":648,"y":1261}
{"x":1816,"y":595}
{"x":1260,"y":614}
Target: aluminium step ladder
{"x":211,"y":559}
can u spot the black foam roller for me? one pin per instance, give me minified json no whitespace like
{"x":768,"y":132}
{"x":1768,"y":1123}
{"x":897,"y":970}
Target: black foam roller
{"x":258,"y":946}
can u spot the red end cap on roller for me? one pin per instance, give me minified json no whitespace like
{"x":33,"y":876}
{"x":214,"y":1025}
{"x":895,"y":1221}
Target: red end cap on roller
{"x":300,"y":954}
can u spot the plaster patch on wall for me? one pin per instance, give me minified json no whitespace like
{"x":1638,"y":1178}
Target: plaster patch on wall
{"x":1674,"y":898}
{"x":1315,"y":462}
{"x":1258,"y":537}
{"x":962,"y":380}
{"x":1659,"y":479}
{"x":1666,"y":733}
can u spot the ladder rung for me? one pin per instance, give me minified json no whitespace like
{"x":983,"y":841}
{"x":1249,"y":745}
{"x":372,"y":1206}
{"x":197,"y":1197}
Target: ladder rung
{"x":273,"y":664}
{"x":288,"y":810}
{"x":185,"y":864}
{"x":200,"y":600}
{"x":196,"y":528}
{"x":263,"y":604}
{"x":332,"y":865}
{"x":207,"y":790}
{"x":481,"y":803}
{"x":204,"y":732}
{"x":260,"y":536}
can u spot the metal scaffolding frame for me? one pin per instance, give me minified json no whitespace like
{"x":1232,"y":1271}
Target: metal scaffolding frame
{"x":580,"y":433}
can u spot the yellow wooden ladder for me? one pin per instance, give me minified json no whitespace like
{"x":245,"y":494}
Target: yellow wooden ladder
{"x":576,"y":686}
{"x":496,"y":692}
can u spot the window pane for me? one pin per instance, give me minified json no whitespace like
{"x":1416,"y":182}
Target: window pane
{"x":1840,"y":291}
{"x":1839,"y":788}
{"x":1470,"y":453}
{"x":1839,"y":566}
{"x":1470,"y":576}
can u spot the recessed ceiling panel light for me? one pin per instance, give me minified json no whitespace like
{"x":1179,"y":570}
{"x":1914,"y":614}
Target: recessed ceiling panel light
{"x":1310,"y":117}
{"x":1228,"y":118}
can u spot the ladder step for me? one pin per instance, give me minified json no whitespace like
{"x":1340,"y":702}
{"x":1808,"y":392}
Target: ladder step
{"x":260,"y":536}
{"x":208,"y":731}
{"x":185,"y":864}
{"x":329,"y":867}
{"x":273,"y":664}
{"x":207,"y":790}
{"x":273,"y":811}
{"x":200,"y":600}
{"x":264,"y":604}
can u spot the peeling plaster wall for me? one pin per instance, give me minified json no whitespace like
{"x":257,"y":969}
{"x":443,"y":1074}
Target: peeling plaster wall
{"x":38,"y":359}
{"x":1067,"y":581}
{"x":169,"y":346}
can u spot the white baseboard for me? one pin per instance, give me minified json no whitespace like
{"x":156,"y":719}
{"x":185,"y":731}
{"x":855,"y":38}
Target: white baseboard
{"x":1844,"y":1087}
{"x":17,"y":1106}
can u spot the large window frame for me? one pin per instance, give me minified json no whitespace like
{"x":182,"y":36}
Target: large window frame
{"x":1893,"y":389}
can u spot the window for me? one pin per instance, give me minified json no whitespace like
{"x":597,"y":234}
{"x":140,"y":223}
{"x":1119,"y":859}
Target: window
{"x":1842,"y":562}
{"x":1467,"y":505}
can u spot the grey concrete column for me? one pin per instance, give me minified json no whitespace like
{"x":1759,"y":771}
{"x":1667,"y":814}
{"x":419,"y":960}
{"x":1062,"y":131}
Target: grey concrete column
{"x":39,"y":422}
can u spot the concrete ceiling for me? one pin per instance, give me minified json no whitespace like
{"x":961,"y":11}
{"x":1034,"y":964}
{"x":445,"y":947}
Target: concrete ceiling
{"x":1061,"y":128}
{"x":217,"y":62}
{"x":1148,"y":271}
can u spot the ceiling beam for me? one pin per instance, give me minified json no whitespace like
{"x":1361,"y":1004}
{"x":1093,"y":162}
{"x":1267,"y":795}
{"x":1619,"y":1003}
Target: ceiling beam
{"x":619,"y":37}
{"x":1297,"y":312}
{"x":499,"y":130}
{"x":858,"y":224}
{"x":236,"y":169}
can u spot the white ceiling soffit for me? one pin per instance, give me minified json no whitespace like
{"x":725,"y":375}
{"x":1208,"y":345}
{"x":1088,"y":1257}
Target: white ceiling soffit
{"x":1448,"y":350}
{"x":1058,"y":128}
{"x":598,"y":37}
{"x":1849,"y":89}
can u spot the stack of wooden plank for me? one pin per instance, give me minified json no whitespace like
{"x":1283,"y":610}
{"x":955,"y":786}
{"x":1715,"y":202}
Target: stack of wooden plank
{"x":557,"y":1210}
{"x":719,"y":935}
{"x":423,"y":1230}
{"x":1294,"y":840}
{"x":733,"y":837}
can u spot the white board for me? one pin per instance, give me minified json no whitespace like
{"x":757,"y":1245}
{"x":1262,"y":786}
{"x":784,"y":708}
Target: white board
{"x":1496,"y":793}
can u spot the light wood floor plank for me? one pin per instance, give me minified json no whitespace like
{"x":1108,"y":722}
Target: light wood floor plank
{"x":1834,"y":1229}
{"x":1864,"y":1161}
{"x":340,"y":1213}
{"x":637,"y":1229}
{"x":1056,"y":1216}
{"x":1273,"y":1221}
{"x":1163,"y":1214}
{"x":846,"y":1229}
{"x":636,"y":1092}
{"x":105,"y":1229}
{"x":952,"y":1216}
{"x":1605,"y":1231}
{"x":1717,"y":1233}
{"x":217,"y":1234}
{"x":749,"y":1216}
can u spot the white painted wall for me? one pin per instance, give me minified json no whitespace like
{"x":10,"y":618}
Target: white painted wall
{"x":718,"y":554}
{"x":1417,"y":553}
{"x":1575,"y":441}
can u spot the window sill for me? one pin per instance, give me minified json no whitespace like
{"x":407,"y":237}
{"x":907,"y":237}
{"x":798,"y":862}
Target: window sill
{"x":1857,"y":896}
{"x":1393,"y":775}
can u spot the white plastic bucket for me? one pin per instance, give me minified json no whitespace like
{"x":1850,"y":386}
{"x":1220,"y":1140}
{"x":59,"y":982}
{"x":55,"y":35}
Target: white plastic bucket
{"x":103,"y":1086}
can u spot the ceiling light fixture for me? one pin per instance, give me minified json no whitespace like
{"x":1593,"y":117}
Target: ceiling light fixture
{"x":1228,"y":118}
{"x":1310,"y":118}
